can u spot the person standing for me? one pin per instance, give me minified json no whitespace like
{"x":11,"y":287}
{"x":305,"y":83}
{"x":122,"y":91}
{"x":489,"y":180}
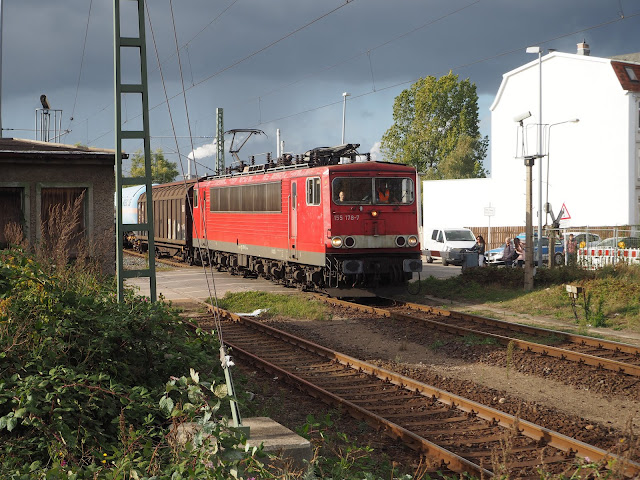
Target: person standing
{"x":508,"y":252}
{"x":480,"y":248}
{"x":571,"y":250}
{"x":519,"y":248}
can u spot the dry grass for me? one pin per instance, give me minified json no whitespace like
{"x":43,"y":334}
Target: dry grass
{"x":63,"y":241}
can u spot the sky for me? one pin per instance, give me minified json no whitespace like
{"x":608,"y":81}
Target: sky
{"x":278,"y":64}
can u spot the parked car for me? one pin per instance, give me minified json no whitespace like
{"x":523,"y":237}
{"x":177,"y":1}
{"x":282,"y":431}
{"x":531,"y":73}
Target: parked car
{"x":494,"y":256}
{"x":448,"y":244}
{"x":583,"y":239}
{"x":619,"y":242}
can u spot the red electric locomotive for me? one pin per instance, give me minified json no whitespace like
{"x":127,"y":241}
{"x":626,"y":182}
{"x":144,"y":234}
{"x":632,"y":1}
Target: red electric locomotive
{"x":321,"y":221}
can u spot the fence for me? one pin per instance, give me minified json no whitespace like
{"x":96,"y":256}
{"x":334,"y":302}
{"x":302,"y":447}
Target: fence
{"x":498,"y":234}
{"x":598,"y":245}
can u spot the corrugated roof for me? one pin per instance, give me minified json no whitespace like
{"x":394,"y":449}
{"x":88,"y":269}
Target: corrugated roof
{"x":12,"y":149}
{"x":628,"y":57}
{"x":24,"y":145}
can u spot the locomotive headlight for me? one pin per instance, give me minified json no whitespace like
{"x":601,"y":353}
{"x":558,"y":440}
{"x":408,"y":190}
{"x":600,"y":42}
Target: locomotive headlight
{"x":412,"y":240}
{"x":336,"y":242}
{"x":374,"y":213}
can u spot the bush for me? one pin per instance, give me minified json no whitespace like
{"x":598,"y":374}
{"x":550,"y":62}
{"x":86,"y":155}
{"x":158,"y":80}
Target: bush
{"x":90,"y":388}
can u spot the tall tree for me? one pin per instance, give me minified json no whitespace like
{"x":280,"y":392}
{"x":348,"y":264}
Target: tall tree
{"x":436,"y":129}
{"x":162,"y":170}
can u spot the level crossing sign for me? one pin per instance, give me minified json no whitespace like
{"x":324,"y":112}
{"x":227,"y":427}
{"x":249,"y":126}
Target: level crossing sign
{"x":564,"y":213}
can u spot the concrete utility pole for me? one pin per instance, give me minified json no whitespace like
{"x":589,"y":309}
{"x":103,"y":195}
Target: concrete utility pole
{"x":528,"y":253}
{"x":1,"y":29}
{"x":220,"y":141}
{"x":344,"y":111}
{"x":538,"y":50}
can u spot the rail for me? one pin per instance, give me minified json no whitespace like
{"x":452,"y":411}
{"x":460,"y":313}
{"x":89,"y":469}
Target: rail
{"x":456,"y":431}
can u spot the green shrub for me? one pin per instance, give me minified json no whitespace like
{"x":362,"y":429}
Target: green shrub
{"x":90,"y":388}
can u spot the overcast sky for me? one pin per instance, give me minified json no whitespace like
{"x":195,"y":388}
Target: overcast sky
{"x":281,"y":63}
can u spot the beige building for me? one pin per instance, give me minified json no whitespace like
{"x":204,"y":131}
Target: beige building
{"x":37,"y":176}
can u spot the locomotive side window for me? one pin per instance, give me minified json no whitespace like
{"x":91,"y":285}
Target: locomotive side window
{"x":196,"y":193}
{"x":294,"y":195}
{"x":263,"y":197}
{"x":274,"y":197}
{"x":313,"y":191}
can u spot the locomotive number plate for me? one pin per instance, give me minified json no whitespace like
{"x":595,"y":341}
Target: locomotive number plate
{"x":346,"y":218}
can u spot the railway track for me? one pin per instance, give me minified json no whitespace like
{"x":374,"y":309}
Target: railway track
{"x":165,"y":261}
{"x":462,"y":435}
{"x":599,"y":353}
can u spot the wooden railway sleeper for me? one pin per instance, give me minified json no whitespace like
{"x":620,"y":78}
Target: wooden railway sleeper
{"x":529,"y":432}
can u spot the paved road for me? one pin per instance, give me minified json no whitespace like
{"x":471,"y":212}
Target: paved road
{"x":192,"y":284}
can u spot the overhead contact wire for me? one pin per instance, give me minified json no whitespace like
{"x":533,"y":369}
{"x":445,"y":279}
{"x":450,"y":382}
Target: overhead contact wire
{"x":84,"y":47}
{"x":214,"y":297}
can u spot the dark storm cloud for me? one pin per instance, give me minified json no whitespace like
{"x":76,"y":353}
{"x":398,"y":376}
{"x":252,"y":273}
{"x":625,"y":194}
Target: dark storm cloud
{"x":250,"y":62}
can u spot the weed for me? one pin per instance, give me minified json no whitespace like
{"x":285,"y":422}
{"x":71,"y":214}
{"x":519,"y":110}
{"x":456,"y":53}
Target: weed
{"x":616,"y":288}
{"x":293,"y":306}
{"x":340,"y":457}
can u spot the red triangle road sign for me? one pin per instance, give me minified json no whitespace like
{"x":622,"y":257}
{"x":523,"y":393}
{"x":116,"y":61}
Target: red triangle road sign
{"x":564,"y":213}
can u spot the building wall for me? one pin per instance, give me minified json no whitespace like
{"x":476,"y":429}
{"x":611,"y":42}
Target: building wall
{"x":594,"y":168}
{"x":97,"y":179}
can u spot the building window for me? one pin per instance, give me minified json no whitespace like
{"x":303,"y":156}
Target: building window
{"x":631,"y":74}
{"x":313,"y":191}
{"x":11,"y":213}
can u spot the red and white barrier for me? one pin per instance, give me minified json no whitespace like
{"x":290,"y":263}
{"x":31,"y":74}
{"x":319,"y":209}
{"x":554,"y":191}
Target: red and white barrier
{"x":593,"y":257}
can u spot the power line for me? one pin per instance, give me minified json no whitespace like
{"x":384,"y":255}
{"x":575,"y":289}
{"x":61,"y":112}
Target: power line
{"x":377,"y":90}
{"x":367,"y":52}
{"x":229,"y":67}
{"x":84,"y":47}
{"x":186,"y":45}
{"x":458,"y":67}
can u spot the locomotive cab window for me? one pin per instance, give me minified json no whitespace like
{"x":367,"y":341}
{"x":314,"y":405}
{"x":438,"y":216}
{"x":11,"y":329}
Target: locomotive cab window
{"x":196,"y":193}
{"x":394,"y":190}
{"x":313,"y":191}
{"x":368,"y":191}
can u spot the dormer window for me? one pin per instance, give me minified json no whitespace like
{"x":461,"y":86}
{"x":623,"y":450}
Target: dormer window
{"x":631,"y":74}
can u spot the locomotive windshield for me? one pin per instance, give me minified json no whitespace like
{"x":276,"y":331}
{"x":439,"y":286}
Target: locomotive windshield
{"x":373,"y":191}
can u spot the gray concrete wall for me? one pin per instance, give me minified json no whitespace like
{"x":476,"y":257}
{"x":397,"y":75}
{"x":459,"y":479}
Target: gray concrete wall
{"x":97,"y":178}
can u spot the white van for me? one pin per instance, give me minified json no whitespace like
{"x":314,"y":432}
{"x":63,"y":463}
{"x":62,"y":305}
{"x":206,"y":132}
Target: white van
{"x":439,"y":242}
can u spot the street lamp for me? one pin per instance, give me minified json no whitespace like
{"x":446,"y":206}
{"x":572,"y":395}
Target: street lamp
{"x":344,"y":111}
{"x":538,"y":50}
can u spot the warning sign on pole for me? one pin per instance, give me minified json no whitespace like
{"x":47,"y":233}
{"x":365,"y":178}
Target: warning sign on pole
{"x":564,"y":213}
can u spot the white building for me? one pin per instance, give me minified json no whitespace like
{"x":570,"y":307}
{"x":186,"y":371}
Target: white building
{"x":594,"y":163}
